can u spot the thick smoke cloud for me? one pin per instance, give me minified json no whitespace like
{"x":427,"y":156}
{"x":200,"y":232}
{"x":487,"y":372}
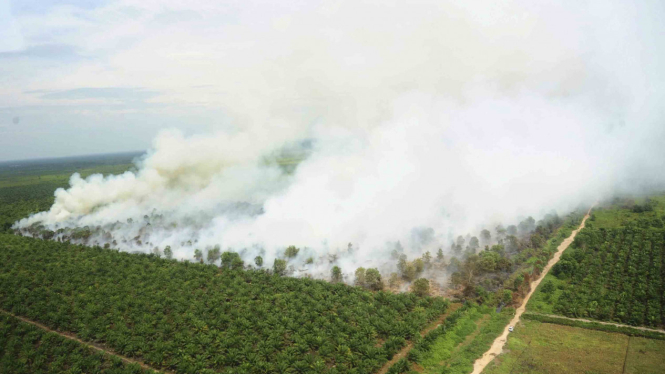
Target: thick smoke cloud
{"x":419,"y":117}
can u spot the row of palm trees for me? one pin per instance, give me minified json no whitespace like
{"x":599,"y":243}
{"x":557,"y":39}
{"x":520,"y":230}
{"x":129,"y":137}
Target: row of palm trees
{"x":197,"y":318}
{"x":615,"y":274}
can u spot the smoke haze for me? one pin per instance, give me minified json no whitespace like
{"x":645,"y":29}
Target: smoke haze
{"x":409,"y":117}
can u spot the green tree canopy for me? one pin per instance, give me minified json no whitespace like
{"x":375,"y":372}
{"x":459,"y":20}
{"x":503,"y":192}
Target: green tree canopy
{"x":360,"y":277}
{"x":168,"y":252}
{"x":420,"y":287}
{"x":231,"y":260}
{"x":291,"y":251}
{"x":373,"y":279}
{"x":336,"y":274}
{"x":439,"y":255}
{"x":279,"y":267}
{"x":213,"y":254}
{"x":486,"y":236}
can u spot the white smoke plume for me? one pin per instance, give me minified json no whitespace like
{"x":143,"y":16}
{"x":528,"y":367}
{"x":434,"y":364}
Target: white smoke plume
{"x":411,"y":116}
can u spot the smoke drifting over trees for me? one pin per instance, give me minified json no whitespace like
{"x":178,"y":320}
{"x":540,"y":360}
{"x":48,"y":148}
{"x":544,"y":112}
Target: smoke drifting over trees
{"x":421,"y":123}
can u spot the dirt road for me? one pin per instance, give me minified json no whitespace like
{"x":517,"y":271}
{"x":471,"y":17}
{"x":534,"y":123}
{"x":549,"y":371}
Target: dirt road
{"x":404,"y":351}
{"x":90,"y":345}
{"x":499,"y":342}
{"x":600,"y":322}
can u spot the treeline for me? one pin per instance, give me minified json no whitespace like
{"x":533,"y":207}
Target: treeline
{"x":197,"y":318}
{"x":17,"y":202}
{"x":26,"y":349}
{"x":493,"y":269}
{"x":28,"y":187}
{"x":500,"y":273}
{"x":614,"y":275}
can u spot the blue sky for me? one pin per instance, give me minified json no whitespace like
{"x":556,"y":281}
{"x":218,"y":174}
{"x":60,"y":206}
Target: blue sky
{"x":85,"y":76}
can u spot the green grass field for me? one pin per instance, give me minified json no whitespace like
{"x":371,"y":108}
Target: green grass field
{"x":454,"y":345}
{"x":542,"y":302}
{"x":645,"y":356}
{"x":619,"y":213}
{"x":543,"y":348}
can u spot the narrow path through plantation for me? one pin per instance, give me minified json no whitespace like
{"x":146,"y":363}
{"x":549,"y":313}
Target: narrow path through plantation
{"x":404,"y":351}
{"x":87,"y":344}
{"x":499,"y":342}
{"x":600,"y":322}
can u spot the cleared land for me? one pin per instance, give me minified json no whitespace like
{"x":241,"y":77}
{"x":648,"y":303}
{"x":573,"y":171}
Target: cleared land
{"x":645,"y":356}
{"x":543,"y":348}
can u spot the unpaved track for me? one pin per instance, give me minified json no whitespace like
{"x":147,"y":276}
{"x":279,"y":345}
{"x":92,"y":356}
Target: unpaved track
{"x":90,"y":345}
{"x":404,"y":351}
{"x":499,"y":342}
{"x":600,"y":322}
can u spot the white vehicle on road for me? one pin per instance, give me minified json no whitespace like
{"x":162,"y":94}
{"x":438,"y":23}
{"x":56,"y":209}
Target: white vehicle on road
{"x":510,"y":328}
